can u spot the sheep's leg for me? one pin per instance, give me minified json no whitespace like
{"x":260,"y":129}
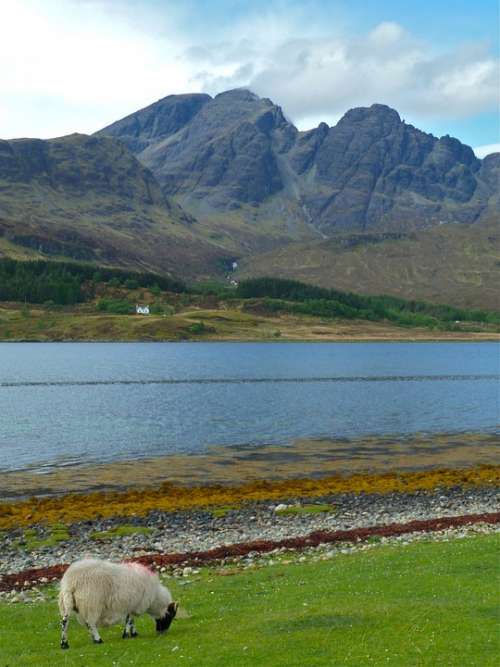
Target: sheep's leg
{"x":64,"y":631}
{"x":129,"y":629}
{"x":94,"y":632}
{"x":125,"y":632}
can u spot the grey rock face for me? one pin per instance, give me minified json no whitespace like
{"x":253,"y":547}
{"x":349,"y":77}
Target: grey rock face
{"x":157,"y":121}
{"x":225,"y":154}
{"x":375,"y":171}
{"x":372,"y":171}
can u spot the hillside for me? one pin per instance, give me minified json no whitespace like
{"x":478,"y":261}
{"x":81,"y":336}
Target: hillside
{"x":89,"y":199}
{"x":43,"y":301}
{"x":458,"y":264}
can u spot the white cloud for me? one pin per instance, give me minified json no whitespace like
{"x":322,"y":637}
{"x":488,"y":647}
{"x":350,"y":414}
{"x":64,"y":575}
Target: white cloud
{"x":323,"y":76}
{"x":76,"y":65}
{"x":386,"y":33}
{"x":483,"y":151}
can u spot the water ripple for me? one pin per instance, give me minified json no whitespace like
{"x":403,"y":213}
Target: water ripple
{"x":261,"y":380}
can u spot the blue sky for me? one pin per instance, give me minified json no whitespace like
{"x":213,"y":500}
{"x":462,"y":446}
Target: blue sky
{"x":86,"y":63}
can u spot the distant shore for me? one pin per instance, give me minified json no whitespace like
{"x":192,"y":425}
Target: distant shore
{"x":229,"y":324}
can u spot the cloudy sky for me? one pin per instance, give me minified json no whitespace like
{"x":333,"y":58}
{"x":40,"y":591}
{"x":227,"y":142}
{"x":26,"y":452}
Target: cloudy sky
{"x":77,"y":65}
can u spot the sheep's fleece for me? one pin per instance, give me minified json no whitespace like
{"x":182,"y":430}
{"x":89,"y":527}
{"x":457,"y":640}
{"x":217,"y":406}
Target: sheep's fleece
{"x":104,"y":593}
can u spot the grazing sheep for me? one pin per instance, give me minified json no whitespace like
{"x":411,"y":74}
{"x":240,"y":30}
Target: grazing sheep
{"x":104,"y":593}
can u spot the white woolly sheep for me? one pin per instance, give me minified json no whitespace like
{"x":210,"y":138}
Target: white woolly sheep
{"x":103,"y":593}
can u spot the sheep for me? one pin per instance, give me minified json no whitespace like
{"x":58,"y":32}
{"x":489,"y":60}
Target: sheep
{"x":102,"y":593}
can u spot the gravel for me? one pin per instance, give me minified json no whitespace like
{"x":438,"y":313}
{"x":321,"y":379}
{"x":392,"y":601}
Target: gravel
{"x":181,"y":532}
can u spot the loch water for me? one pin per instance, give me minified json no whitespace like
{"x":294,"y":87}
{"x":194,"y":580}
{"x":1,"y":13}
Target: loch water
{"x":66,"y":403}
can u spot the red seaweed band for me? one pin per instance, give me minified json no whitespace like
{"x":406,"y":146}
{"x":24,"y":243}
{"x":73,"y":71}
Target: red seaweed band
{"x":29,"y":578}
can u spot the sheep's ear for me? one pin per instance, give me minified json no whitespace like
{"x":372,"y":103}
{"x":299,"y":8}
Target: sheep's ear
{"x":172,"y":608}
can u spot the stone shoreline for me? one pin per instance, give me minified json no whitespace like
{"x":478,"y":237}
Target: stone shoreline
{"x":197,"y":536}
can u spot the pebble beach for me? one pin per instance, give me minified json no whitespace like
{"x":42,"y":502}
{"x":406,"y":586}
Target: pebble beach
{"x":202,"y":530}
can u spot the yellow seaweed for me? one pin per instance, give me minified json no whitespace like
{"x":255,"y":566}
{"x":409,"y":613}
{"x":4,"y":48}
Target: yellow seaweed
{"x":70,"y":508}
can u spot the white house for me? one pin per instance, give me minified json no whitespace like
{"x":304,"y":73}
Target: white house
{"x":141,"y":310}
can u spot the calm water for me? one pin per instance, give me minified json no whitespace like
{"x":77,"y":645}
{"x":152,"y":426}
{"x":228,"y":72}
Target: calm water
{"x":62,"y":403}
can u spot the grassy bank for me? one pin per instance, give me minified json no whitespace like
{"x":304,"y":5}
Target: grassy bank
{"x":425,"y":604}
{"x":205,"y":319}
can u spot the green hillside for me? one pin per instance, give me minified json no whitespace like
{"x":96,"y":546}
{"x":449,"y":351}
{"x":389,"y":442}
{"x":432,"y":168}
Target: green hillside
{"x":455,"y":264}
{"x":89,"y":199}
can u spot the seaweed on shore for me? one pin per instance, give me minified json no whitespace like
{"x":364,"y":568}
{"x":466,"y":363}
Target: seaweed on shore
{"x":70,"y":508}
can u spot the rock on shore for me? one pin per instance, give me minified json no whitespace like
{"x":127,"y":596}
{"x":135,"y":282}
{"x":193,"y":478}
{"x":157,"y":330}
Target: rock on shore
{"x":200,"y":530}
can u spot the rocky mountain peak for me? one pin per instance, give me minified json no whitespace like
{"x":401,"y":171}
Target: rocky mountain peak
{"x":216,"y":155}
{"x":377,"y":116}
{"x":237,"y":95}
{"x":455,"y":150}
{"x":156,"y":121}
{"x":78,"y":164}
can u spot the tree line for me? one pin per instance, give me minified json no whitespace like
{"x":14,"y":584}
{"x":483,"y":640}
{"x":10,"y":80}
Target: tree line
{"x":67,"y":283}
{"x":296,"y":297}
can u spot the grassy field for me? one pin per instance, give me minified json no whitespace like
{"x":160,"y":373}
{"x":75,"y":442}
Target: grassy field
{"x":199,"y":322}
{"x":430,"y":603}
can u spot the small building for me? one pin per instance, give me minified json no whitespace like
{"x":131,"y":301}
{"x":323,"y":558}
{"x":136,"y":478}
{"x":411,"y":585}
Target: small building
{"x":234,"y":266}
{"x":141,"y":310}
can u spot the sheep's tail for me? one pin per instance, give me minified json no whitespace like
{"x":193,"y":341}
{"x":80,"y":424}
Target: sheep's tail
{"x":66,"y":602}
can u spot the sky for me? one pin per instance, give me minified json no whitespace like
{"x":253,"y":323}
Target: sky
{"x":78,"y":65}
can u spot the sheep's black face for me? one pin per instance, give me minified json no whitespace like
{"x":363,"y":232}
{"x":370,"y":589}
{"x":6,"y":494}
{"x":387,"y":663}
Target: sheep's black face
{"x":163,"y":624}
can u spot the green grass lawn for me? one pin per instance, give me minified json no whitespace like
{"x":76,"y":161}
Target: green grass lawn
{"x":311,"y":508}
{"x":430,"y":603}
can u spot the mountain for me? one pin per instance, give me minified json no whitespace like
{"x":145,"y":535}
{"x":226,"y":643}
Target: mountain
{"x":236,"y":163}
{"x":88,"y":198}
{"x":220,"y":159}
{"x":373,"y":172}
{"x":193,"y":181}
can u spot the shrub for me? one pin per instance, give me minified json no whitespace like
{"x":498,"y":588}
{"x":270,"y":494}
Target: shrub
{"x":115,"y":306}
{"x":155,"y":290}
{"x":200,"y":328}
{"x":211,"y":287}
{"x":156,"y":308}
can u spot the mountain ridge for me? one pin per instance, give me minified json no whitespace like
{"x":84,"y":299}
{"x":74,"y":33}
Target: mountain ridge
{"x":370,"y":170}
